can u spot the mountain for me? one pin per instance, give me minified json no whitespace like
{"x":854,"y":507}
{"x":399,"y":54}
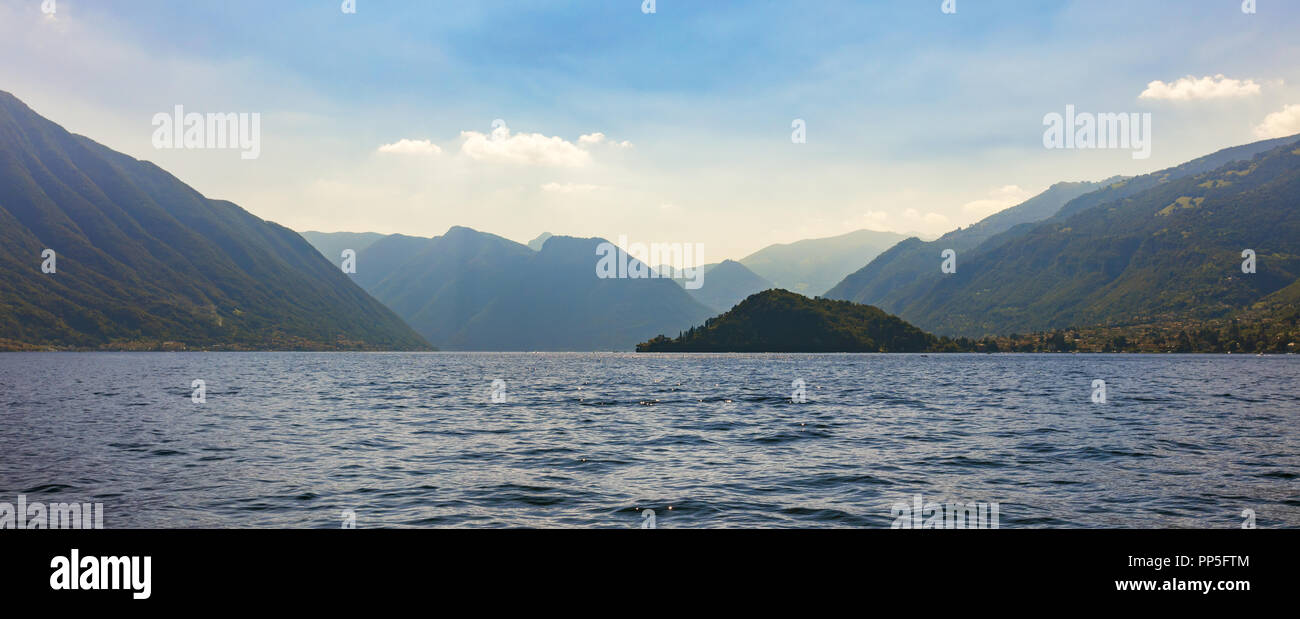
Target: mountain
{"x":144,"y":261}
{"x":724,"y":284}
{"x":1132,"y":186}
{"x":907,"y":268}
{"x":439,"y":285}
{"x":569,"y":308}
{"x":536,"y":244}
{"x":332,"y":244}
{"x":469,"y":290}
{"x":899,"y":277}
{"x":1033,"y":210}
{"x":386,"y":257}
{"x":813,"y":266}
{"x":1200,"y":165}
{"x":782,"y":321}
{"x":1169,"y":252}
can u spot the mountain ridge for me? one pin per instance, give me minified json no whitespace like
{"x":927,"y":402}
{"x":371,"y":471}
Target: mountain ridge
{"x":473,"y":290}
{"x":906,"y":278}
{"x":143,"y":260}
{"x":724,"y":284}
{"x":1171,"y":251}
{"x":813,"y":266}
{"x":900,"y":270}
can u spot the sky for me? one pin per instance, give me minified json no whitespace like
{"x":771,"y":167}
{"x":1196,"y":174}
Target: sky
{"x":598,"y":118}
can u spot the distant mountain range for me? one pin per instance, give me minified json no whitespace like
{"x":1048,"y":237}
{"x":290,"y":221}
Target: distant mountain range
{"x":470,"y":290}
{"x":1160,"y":247}
{"x":142,"y":261}
{"x":1124,"y":251}
{"x":332,"y":244}
{"x":146,"y":262}
{"x":812,"y":266}
{"x":724,"y":284}
{"x":783,"y":321}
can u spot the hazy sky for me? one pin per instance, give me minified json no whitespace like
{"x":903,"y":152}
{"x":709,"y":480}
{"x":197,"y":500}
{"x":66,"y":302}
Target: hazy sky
{"x":666,"y":127}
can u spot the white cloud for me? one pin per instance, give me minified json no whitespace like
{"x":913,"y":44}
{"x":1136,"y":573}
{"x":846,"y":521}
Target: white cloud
{"x":929,"y":221}
{"x":522,"y":148}
{"x":1280,"y":124}
{"x":1191,"y":88}
{"x":998,"y":199}
{"x":411,"y":147}
{"x":880,"y":218}
{"x":569,"y":188}
{"x":600,"y":138}
{"x":908,"y":221}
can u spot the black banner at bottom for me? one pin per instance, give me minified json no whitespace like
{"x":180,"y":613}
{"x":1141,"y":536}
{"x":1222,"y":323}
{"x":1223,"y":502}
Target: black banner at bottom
{"x":182,"y":568}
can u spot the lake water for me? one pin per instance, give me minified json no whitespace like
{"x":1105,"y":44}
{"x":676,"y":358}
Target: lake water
{"x":589,"y":440}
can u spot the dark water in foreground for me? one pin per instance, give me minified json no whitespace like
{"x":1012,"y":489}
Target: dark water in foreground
{"x":585,"y":440}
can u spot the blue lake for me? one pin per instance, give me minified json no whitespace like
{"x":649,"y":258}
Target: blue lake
{"x":590,"y":439}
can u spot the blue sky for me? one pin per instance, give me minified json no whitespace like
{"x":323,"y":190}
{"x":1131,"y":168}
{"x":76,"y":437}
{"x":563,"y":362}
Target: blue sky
{"x":916,"y":120}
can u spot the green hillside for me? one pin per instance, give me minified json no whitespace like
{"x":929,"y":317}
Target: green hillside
{"x":1170,"y":252}
{"x":146,"y":262}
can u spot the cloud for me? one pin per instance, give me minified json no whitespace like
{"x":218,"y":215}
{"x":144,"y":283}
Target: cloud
{"x":502,"y":146}
{"x":411,"y":147}
{"x":908,"y":220}
{"x":569,"y":188}
{"x":998,"y":199}
{"x":1280,"y":124}
{"x":1192,"y":88}
{"x":522,"y":148}
{"x":600,"y":138}
{"x":929,"y":220}
{"x":880,"y":218}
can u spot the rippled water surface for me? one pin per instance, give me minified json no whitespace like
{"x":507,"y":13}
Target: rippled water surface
{"x":586,"y":440}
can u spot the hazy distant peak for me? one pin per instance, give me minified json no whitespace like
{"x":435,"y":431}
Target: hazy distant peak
{"x":461,"y":231}
{"x":813,"y":266}
{"x":537,"y":243}
{"x":557,"y":242}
